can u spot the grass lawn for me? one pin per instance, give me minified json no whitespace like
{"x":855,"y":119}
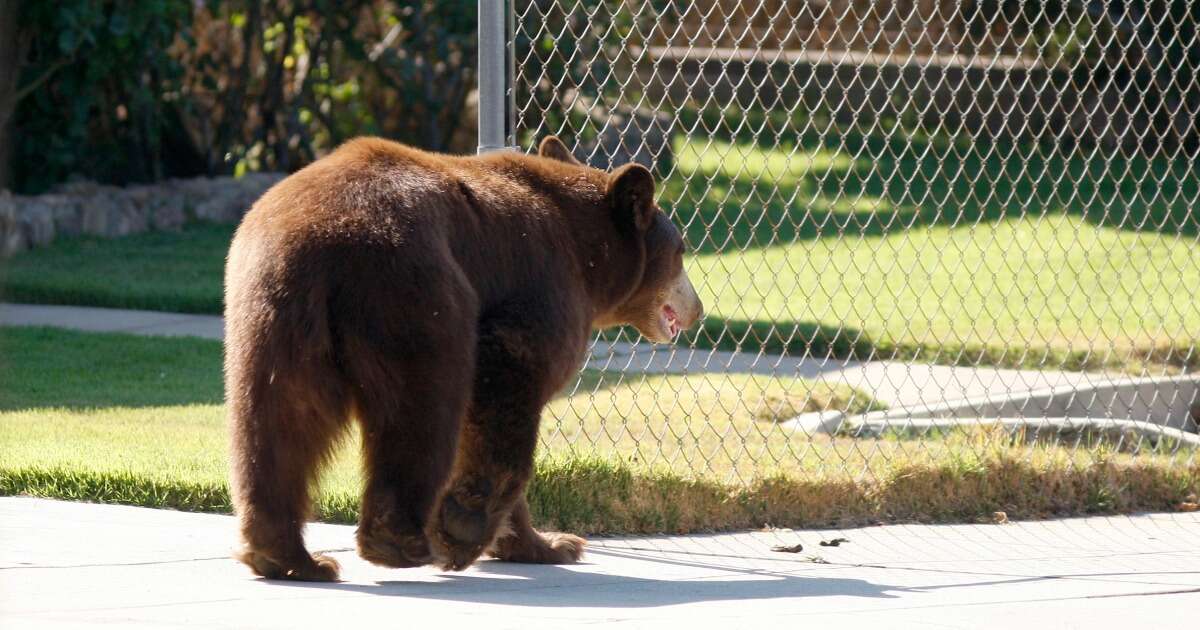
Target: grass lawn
{"x":116,"y":418}
{"x":848,"y":246}
{"x":160,"y":271}
{"x":929,"y":251}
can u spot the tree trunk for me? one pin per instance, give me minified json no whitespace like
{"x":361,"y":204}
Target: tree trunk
{"x":11,"y":60}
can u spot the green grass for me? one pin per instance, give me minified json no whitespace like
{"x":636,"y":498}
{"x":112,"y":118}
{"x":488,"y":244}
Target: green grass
{"x":928,"y":251}
{"x":850,"y":246}
{"x":161,"y":271}
{"x":47,"y":367}
{"x":116,"y":418}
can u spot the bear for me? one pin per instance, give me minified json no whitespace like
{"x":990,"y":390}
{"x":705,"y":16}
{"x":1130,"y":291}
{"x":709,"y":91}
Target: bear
{"x":440,"y":302}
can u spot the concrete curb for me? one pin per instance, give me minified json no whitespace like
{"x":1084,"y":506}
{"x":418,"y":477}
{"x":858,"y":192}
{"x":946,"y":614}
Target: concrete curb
{"x":1170,"y":402}
{"x":1033,"y":428}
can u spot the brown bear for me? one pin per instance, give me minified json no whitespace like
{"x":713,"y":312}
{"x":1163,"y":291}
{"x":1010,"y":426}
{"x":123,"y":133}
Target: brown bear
{"x":441,"y":301}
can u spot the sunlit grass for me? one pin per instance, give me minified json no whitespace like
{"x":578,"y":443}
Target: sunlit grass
{"x":783,"y":165}
{"x":937,"y":268}
{"x":645,"y":454}
{"x":161,"y":271}
{"x":174,"y":456}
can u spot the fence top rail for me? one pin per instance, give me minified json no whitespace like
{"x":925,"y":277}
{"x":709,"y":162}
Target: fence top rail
{"x":705,"y":54}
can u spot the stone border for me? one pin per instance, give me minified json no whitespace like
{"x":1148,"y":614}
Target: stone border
{"x":88,"y":208}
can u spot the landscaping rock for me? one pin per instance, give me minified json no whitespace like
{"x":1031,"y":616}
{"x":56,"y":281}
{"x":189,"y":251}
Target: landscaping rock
{"x":220,"y":207}
{"x":161,"y":209}
{"x":85,"y":207}
{"x":11,"y":238}
{"x":105,"y":211}
{"x":35,"y":220}
{"x":168,"y":213}
{"x":225,"y":200}
{"x":68,"y":220}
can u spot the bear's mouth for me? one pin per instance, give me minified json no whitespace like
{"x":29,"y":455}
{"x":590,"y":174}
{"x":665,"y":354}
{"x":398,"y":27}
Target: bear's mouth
{"x":670,"y":321}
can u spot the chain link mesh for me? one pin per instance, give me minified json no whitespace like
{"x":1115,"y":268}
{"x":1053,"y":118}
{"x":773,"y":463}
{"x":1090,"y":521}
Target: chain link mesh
{"x":904,"y":216}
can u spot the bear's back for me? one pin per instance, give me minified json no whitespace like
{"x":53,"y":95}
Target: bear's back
{"x":507,"y":220}
{"x":372,"y":185}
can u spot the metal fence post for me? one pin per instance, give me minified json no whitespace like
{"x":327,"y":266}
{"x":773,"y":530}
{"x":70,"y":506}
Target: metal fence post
{"x":496,"y":112}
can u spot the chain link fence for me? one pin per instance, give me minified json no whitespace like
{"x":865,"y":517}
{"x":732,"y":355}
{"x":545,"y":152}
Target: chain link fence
{"x":924,"y":230}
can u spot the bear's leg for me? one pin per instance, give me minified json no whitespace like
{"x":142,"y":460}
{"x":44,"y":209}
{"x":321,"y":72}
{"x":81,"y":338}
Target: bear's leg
{"x":525,"y":544}
{"x":520,"y":363}
{"x":494,"y":463}
{"x":278,"y":447}
{"x":410,"y":404}
{"x":408,"y":463}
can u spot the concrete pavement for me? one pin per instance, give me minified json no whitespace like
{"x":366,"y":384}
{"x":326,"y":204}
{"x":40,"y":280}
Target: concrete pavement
{"x":112,"y":320}
{"x":65,"y":565}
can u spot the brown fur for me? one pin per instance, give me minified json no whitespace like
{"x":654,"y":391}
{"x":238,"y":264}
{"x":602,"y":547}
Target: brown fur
{"x":441,"y":301}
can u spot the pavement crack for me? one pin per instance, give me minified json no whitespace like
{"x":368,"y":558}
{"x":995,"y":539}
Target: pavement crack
{"x":1178,"y":591}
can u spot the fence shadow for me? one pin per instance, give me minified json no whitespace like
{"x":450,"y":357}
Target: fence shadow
{"x":751,"y":193}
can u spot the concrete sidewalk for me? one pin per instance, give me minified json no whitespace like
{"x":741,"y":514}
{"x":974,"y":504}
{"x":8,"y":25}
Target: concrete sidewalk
{"x":72,"y":565}
{"x":112,"y":320}
{"x":895,"y":384}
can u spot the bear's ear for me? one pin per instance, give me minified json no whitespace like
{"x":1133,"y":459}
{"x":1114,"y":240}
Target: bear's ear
{"x":631,"y":192}
{"x":553,"y":148}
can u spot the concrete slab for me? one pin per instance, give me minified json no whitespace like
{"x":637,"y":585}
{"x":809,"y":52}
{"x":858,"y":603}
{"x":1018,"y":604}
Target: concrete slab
{"x":112,"y":320}
{"x":72,"y":565}
{"x":896,"y":383}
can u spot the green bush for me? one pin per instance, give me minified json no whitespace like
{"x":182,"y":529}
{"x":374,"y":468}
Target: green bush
{"x":138,"y":91}
{"x":103,"y":110}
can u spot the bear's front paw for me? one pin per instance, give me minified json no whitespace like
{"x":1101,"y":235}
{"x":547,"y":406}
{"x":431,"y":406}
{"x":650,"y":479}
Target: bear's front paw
{"x":454,"y":555}
{"x":459,"y":535}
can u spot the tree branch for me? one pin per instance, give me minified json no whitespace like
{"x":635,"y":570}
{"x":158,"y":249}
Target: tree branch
{"x":33,"y":85}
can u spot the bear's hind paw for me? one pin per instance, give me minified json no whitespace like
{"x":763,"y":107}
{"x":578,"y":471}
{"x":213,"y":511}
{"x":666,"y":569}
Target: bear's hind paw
{"x":546,"y":548}
{"x":565,"y":548}
{"x":316,"y":568}
{"x":396,"y":551}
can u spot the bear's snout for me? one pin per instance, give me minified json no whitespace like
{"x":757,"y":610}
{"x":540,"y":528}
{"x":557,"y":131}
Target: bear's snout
{"x":683,"y":298}
{"x":678,"y":310}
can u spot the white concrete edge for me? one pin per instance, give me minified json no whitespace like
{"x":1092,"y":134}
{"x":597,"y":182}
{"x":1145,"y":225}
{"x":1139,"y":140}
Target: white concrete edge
{"x":1143,"y":429}
{"x":833,"y":422}
{"x":1030,"y":401}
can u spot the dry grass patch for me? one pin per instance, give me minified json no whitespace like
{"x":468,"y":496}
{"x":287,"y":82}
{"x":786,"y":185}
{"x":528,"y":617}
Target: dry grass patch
{"x":717,"y":425}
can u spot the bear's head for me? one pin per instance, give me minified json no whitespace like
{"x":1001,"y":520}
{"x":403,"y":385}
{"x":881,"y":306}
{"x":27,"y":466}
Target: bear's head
{"x":663,"y":302}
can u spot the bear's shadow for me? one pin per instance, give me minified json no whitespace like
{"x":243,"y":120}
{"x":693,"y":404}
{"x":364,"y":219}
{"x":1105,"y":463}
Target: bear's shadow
{"x":554,"y":586}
